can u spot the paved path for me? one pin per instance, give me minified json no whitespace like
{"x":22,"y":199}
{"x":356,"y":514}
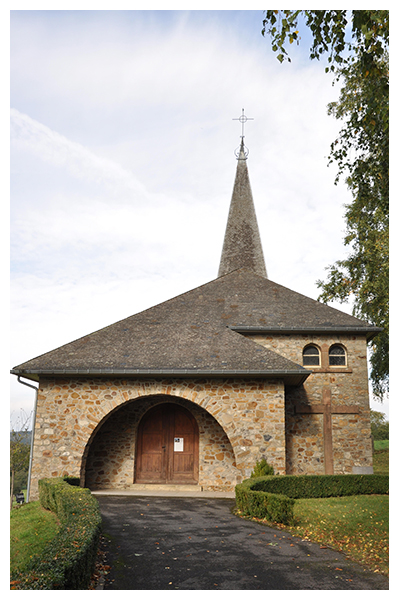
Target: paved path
{"x":186,"y":543}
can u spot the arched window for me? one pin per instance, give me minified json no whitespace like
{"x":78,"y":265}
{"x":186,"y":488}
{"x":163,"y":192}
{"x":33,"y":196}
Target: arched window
{"x":311,"y":356}
{"x":337,"y":356}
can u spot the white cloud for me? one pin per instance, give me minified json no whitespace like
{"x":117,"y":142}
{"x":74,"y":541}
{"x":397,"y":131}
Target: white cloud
{"x":56,"y":149}
{"x":123,"y":166}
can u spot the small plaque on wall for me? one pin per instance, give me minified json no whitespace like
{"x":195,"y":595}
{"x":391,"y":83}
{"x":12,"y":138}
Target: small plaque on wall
{"x":179,"y":443}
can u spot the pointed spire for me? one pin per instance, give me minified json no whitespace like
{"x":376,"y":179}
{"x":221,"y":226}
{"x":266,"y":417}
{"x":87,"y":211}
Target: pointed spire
{"x":242,"y":247}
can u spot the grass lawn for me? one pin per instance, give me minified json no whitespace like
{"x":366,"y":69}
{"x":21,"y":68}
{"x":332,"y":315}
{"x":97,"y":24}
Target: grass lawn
{"x":355,"y":525}
{"x":381,"y":457}
{"x":31,"y":527}
{"x":381,"y":444}
{"x":381,"y":462}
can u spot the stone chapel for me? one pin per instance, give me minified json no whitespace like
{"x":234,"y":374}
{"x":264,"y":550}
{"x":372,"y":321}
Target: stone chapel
{"x":196,"y":390}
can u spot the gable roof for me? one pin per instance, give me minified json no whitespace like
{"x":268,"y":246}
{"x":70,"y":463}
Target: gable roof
{"x":197,"y":334}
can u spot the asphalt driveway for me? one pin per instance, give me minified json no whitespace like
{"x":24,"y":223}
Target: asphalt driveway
{"x":166,"y":543}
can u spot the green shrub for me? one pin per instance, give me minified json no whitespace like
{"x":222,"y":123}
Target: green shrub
{"x":72,"y":480}
{"x":68,"y":560}
{"x":262,"y":469}
{"x":273,"y":498}
{"x":276,"y":508}
{"x":323,"y":486}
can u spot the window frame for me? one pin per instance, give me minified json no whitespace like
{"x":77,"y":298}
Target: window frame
{"x":307,"y":347}
{"x":344,"y":355}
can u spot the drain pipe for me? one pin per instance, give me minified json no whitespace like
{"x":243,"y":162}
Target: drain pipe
{"x":33,"y":433}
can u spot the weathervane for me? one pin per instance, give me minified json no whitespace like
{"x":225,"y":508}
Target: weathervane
{"x":243,"y":119}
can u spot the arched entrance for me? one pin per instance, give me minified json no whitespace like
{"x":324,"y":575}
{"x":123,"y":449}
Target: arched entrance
{"x":167,"y":446}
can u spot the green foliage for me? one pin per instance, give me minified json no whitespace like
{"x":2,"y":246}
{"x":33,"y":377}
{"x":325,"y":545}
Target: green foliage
{"x":361,"y":152}
{"x":273,"y":498}
{"x":68,"y":560}
{"x":19,"y":456}
{"x":263,"y":505}
{"x":355,"y":525}
{"x":20,"y":481}
{"x":262,"y":469}
{"x":323,"y":486}
{"x":379,"y":425}
{"x":72,"y":480}
{"x":381,"y":457}
{"x":369,"y":39}
{"x":381,"y":445}
{"x":31,"y":528}
{"x":19,"y":452}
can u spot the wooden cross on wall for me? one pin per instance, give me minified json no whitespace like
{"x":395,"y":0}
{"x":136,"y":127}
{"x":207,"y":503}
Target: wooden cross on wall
{"x":327,"y":410}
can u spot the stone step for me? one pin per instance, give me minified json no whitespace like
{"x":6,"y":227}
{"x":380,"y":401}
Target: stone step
{"x":166,"y":487}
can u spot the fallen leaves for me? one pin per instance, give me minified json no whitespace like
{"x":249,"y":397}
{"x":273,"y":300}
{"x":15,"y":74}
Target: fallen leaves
{"x":356,"y":526}
{"x":101,"y":568}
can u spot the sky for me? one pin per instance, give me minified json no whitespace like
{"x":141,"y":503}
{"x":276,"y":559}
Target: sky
{"x":122,"y":165}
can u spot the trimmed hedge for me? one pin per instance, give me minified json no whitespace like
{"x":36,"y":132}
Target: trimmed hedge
{"x":67,"y":562}
{"x":323,"y":486}
{"x":273,"y":498}
{"x":276,"y":508}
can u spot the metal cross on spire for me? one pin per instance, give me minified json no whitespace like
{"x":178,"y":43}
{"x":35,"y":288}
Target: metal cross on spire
{"x":243,"y":119}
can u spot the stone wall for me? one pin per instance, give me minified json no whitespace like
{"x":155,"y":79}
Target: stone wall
{"x":111,"y":455}
{"x":351,"y":433}
{"x":241,"y":422}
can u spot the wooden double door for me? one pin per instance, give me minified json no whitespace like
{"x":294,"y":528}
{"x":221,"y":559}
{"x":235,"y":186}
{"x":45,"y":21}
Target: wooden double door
{"x":167,"y":446}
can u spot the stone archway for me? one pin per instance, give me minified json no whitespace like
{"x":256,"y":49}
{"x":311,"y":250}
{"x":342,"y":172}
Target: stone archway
{"x":111,"y":456}
{"x":244,"y":418}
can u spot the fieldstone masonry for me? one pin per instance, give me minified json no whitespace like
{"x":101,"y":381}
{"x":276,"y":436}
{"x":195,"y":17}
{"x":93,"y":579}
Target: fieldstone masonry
{"x":111,"y":455}
{"x":250,"y":400}
{"x":87,"y":427}
{"x":351,"y":433}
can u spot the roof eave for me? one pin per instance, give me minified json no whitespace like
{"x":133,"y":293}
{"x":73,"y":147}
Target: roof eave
{"x":291,"y":377}
{"x":370,"y":331}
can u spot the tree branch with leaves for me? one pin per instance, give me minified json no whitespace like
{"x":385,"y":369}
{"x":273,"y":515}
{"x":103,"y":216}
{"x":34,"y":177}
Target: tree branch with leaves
{"x":361,"y":153}
{"x":19,"y":450}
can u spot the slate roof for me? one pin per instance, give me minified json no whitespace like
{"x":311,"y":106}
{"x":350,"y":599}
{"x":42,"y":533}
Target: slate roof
{"x":242,"y":246}
{"x":198,"y":333}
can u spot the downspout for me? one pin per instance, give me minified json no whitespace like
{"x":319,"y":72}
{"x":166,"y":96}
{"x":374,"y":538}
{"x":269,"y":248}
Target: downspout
{"x":33,"y":434}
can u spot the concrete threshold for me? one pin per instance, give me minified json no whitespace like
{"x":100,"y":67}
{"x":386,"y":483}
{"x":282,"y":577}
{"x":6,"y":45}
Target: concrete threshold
{"x":188,"y":491}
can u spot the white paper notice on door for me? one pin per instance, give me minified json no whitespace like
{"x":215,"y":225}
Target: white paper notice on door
{"x":179,"y":445}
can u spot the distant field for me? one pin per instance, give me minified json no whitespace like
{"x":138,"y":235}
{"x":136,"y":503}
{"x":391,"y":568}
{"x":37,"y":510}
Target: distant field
{"x":381,"y":444}
{"x":381,"y":462}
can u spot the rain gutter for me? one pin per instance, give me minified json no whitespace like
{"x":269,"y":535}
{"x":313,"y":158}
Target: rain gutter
{"x":33,"y":434}
{"x":301,"y":373}
{"x":370,"y":331}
